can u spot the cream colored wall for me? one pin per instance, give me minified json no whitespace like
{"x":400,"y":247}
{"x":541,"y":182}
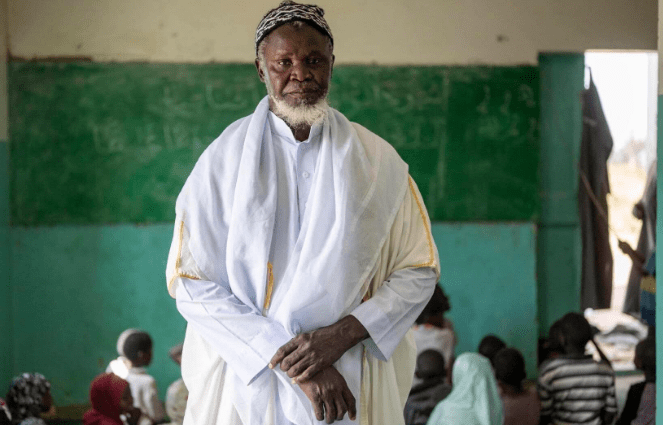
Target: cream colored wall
{"x":380,"y":31}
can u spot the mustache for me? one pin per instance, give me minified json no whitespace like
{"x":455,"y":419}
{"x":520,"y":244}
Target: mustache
{"x":302,"y":88}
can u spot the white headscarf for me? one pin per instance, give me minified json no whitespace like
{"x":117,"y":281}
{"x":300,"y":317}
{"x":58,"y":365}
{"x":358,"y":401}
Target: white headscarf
{"x":475,"y":399}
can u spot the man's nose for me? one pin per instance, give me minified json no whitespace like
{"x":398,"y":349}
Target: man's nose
{"x":301,"y":71}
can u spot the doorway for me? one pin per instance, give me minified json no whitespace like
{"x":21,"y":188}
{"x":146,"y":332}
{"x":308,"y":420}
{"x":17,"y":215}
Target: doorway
{"x":627,"y":86}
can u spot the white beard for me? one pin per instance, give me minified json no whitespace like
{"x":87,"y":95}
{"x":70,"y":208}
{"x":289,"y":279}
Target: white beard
{"x":300,"y":116}
{"x":297,"y":116}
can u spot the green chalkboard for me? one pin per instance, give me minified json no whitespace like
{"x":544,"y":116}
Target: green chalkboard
{"x":110,"y":142}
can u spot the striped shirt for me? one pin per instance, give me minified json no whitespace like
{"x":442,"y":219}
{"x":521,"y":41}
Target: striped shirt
{"x":576,"y":390}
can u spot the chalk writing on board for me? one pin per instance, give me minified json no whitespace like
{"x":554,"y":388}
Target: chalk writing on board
{"x":127,"y":135}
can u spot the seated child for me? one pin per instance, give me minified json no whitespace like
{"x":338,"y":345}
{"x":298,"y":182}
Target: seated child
{"x":111,"y":398}
{"x":433,"y":331}
{"x":640,"y":407}
{"x":431,"y":390}
{"x":135,"y":349}
{"x":474,"y":399}
{"x":521,"y":405}
{"x":177,"y":393}
{"x":489,"y":346}
{"x":29,"y":396}
{"x":573,"y":388}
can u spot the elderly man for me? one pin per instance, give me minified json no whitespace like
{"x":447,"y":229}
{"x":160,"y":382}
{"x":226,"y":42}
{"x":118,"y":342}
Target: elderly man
{"x":302,"y":253}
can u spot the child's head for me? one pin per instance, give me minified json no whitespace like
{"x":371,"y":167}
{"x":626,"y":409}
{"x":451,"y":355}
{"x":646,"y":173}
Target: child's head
{"x":136,"y":346}
{"x":509,"y":367}
{"x":175,"y":353}
{"x":436,"y":307}
{"x":645,"y":358}
{"x":430,"y":364}
{"x":29,"y":396}
{"x":489,"y":346}
{"x":574,"y":333}
{"x":110,"y":395}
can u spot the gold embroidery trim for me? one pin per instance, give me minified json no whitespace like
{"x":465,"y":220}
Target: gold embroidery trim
{"x":178,"y":260}
{"x":270,"y":287}
{"x":431,"y":254}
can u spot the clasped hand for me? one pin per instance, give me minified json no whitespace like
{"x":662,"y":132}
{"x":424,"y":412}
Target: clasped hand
{"x":308,"y":360}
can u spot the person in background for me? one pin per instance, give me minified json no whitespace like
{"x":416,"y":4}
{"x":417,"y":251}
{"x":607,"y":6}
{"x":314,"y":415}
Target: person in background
{"x":573,"y":388}
{"x":29,"y":397}
{"x":432,"y":388}
{"x":5,"y":416}
{"x":135,"y":349}
{"x":644,"y":210}
{"x":111,"y":400}
{"x":521,"y":404}
{"x":640,"y":406}
{"x":177,"y":393}
{"x":489,"y":346}
{"x":551,"y":348}
{"x":433,"y":331}
{"x":474,"y":399}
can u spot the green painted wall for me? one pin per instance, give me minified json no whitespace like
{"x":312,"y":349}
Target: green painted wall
{"x":489,"y":274}
{"x":5,"y":288}
{"x":559,"y":245}
{"x":77,"y":288}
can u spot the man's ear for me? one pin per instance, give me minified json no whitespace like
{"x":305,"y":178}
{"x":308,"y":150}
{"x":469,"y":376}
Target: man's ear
{"x":261,"y":74}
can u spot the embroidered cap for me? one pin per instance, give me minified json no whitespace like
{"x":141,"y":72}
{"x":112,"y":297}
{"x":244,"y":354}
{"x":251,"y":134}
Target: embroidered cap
{"x":289,"y":11}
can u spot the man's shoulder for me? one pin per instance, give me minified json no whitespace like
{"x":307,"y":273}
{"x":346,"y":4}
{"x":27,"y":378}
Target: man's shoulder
{"x":230,"y":133}
{"x":374,"y":144}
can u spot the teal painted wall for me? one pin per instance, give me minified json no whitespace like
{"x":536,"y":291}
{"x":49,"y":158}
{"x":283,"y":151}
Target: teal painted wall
{"x":559,"y":246}
{"x":93,"y":282}
{"x":77,"y":288}
{"x":489,"y":273}
{"x":6,"y":358}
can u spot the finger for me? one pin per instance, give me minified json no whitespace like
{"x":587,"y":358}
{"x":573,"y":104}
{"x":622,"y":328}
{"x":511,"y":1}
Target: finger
{"x":292,"y":360}
{"x":330,"y":409}
{"x":282,"y":352}
{"x":351,"y":402}
{"x":318,"y":409}
{"x":341,"y":407}
{"x":308,"y":373}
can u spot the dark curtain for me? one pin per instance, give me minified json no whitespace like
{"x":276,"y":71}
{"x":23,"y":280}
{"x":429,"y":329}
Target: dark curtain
{"x":596,"y":286}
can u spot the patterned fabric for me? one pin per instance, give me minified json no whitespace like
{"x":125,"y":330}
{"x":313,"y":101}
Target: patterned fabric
{"x":289,"y":11}
{"x":576,"y":390}
{"x":25,"y":396}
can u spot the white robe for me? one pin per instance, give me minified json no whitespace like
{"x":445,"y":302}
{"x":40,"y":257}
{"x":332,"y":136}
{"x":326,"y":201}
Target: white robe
{"x":364,"y":220}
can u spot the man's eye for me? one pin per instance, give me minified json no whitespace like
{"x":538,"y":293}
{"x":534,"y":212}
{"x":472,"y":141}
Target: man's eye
{"x":283,"y":62}
{"x":314,"y":61}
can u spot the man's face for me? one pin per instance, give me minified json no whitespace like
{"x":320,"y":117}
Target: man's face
{"x":298,"y":62}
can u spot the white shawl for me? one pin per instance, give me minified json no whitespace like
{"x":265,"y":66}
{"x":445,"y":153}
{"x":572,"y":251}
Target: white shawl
{"x":229,"y":202}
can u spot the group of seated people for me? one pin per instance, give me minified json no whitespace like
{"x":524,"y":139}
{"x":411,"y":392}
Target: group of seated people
{"x":484,"y":388}
{"x":490,"y":387}
{"x":124,"y":395}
